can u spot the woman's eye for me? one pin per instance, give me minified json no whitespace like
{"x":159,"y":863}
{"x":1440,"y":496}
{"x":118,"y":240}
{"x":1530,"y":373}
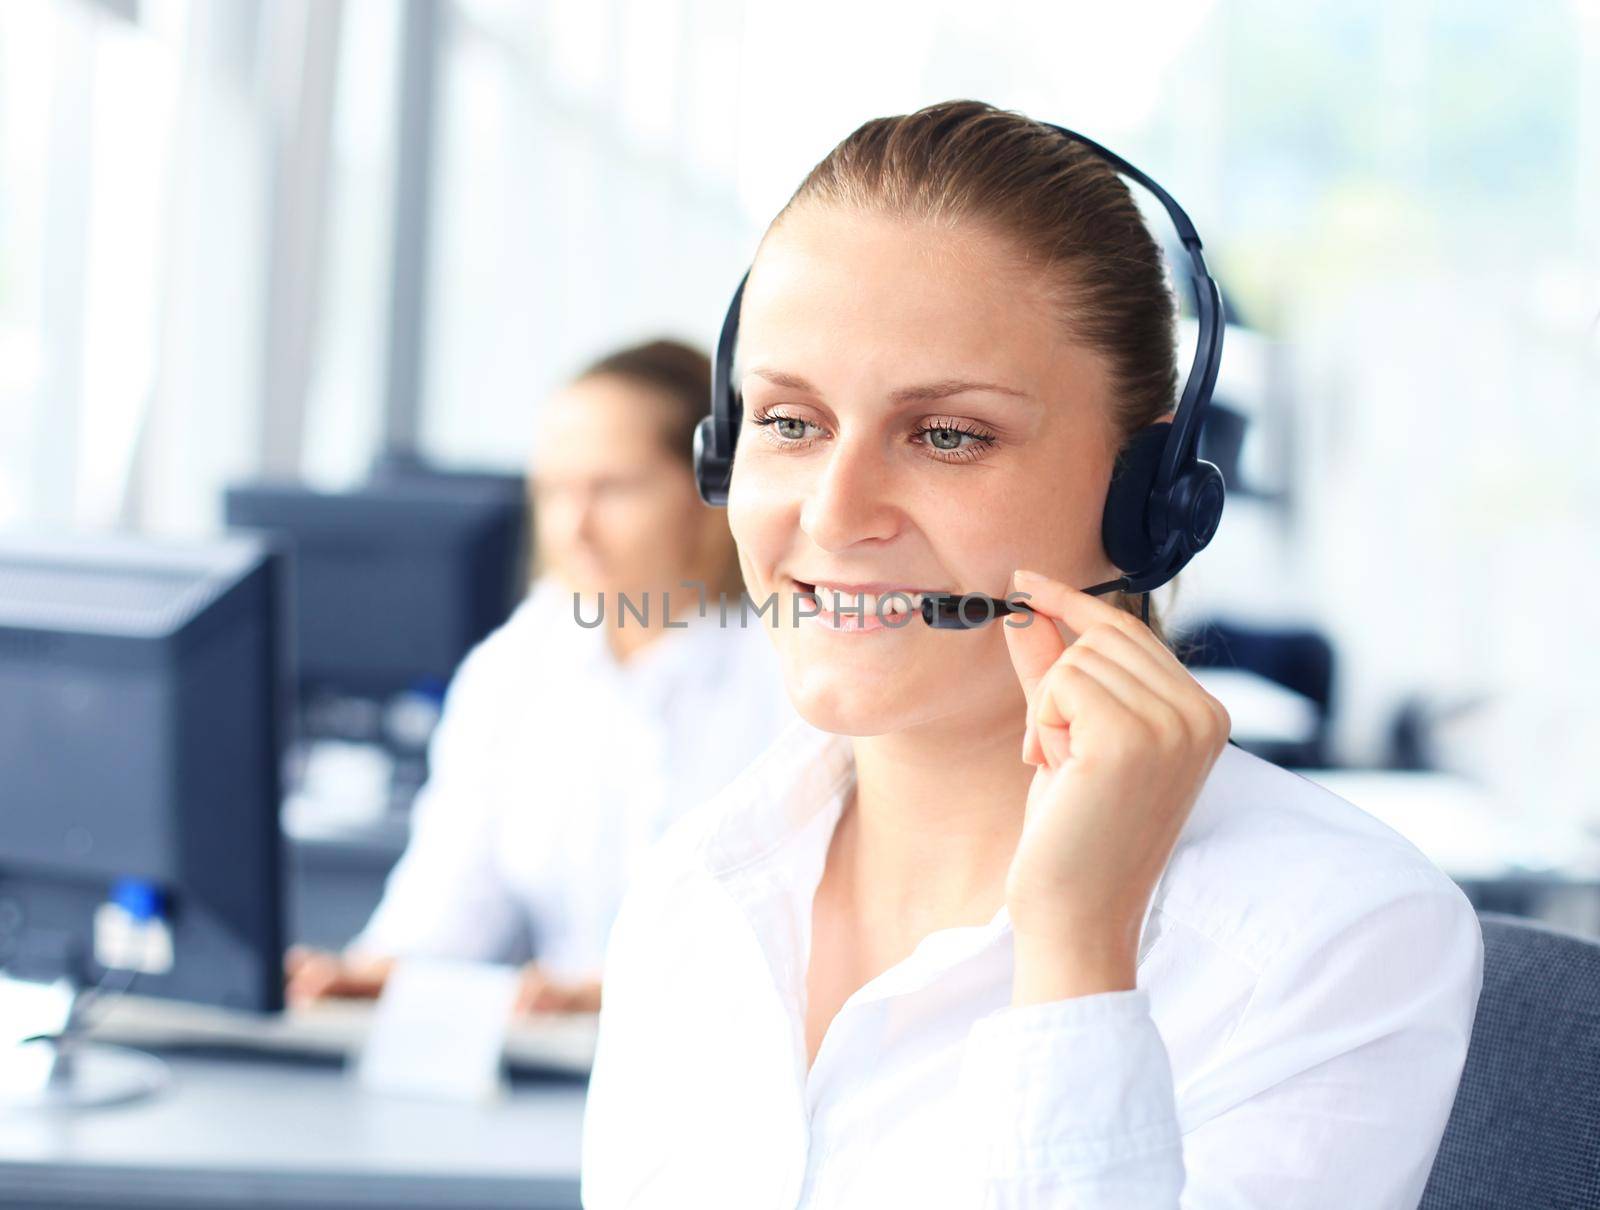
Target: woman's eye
{"x":949,"y":442}
{"x":788,"y":430}
{"x":952,"y":442}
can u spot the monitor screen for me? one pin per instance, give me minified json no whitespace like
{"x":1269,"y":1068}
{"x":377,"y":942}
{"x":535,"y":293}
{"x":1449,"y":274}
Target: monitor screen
{"x":142,"y":695}
{"x":395,"y":582}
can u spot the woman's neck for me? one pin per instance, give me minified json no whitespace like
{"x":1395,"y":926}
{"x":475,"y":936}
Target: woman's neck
{"x":934,"y":821}
{"x":628,"y":641}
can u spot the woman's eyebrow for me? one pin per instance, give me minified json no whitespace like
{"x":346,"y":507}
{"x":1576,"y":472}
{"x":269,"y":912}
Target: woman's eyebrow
{"x":779,"y":378}
{"x":944,"y":388}
{"x":923,"y":393}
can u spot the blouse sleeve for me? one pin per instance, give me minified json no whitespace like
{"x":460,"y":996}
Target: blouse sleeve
{"x":1332,"y":1091}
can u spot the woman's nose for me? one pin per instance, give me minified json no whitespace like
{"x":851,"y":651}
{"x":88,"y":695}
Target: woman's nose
{"x":569,"y":512}
{"x":850,"y":500}
{"x":585,"y":517}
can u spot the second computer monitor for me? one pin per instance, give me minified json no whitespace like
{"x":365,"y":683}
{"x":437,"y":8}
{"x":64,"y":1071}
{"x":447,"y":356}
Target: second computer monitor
{"x":395,"y":582}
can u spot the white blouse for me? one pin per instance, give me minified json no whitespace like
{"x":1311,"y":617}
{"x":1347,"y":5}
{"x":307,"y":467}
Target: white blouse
{"x":1306,"y":985}
{"x":554,"y":769}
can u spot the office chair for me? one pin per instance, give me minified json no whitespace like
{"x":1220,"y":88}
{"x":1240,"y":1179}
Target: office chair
{"x":1525,"y":1128}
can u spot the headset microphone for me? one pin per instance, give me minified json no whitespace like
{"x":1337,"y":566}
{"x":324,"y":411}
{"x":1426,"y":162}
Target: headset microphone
{"x":1164,"y":502}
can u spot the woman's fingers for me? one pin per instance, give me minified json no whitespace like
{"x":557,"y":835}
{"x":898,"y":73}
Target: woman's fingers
{"x":538,"y":993}
{"x":1117,"y":644}
{"x":1080,"y":610}
{"x":1039,"y":642}
{"x":1034,"y":647}
{"x":583,"y":996}
{"x":362,"y":977}
{"x":318,"y":975}
{"x":1173,"y":705}
{"x":314,"y":975}
{"x":311,"y":976}
{"x":1062,"y":714}
{"x":295,"y":957}
{"x":1035,"y":643}
{"x":1162,"y":721}
{"x":1123,"y":687}
{"x":533,"y":990}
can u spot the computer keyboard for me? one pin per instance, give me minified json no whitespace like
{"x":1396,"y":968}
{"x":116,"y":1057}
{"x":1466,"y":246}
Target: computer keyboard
{"x":334,"y":1029}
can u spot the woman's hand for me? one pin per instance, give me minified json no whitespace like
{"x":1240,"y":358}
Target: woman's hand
{"x":312,"y":975}
{"x":1124,"y":738}
{"x":538,"y":993}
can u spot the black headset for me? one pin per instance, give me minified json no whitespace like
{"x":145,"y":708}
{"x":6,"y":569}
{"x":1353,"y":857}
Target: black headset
{"x":1164,"y":502}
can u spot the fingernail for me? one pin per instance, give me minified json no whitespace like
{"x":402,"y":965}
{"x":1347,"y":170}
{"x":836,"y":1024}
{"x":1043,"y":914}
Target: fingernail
{"x":1027,"y":739}
{"x":1024,"y":574}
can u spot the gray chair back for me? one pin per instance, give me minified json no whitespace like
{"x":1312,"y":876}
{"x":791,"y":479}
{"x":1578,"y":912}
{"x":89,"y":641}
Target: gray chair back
{"x":1524,"y":1132}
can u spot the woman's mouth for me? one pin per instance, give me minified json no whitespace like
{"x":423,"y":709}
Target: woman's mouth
{"x":856,"y":608}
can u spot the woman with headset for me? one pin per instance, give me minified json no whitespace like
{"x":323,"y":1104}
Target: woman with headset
{"x":1003,"y":920}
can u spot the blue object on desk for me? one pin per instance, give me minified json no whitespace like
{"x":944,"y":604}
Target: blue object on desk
{"x":140,"y":899}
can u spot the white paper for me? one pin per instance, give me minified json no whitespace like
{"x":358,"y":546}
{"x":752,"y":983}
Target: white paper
{"x":28,"y":1008}
{"x":439,"y":1031}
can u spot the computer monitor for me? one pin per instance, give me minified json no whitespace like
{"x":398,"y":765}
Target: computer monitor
{"x":396,"y":469}
{"x":393,"y":582}
{"x":142,"y":695}
{"x":393,"y":467}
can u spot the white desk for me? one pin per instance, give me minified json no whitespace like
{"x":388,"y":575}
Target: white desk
{"x":1262,"y":710}
{"x":560,"y":1043}
{"x":241,"y":1131}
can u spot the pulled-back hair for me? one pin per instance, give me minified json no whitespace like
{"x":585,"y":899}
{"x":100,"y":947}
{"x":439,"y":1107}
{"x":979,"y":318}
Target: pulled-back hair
{"x":680,"y":374}
{"x":1065,"y":212}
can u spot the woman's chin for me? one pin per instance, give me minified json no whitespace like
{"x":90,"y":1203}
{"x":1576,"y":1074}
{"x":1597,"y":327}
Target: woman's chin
{"x":828,"y":717}
{"x":874,"y":690}
{"x":846,"y":703}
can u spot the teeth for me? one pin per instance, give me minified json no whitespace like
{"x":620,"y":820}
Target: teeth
{"x":833,"y":600}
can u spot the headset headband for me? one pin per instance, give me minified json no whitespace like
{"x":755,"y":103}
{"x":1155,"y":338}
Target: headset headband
{"x":1202,"y":378}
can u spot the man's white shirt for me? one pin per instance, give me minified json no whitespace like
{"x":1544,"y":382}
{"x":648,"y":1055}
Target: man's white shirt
{"x":554,"y":769}
{"x":1306,"y":985}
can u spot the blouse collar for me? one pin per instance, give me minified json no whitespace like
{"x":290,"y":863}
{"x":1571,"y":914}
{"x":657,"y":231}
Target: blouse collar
{"x":768,"y":844}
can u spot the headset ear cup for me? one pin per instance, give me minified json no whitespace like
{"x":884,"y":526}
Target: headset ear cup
{"x":1195,"y":510}
{"x":711,"y":471}
{"x":1125,"y":525}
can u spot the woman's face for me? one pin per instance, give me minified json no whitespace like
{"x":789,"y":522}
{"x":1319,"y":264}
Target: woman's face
{"x":614,"y":511}
{"x":914,"y":420}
